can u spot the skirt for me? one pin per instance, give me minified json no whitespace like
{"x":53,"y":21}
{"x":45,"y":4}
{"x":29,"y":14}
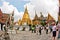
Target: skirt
{"x":54,"y":33}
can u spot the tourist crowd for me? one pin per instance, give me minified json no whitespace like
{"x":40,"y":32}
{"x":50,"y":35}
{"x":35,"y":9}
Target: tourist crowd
{"x":53,"y":27}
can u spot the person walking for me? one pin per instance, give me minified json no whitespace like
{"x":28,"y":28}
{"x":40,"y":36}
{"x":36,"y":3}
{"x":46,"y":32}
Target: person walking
{"x":37,"y":29}
{"x":40,"y":29}
{"x":54,"y":31}
{"x":47,"y":29}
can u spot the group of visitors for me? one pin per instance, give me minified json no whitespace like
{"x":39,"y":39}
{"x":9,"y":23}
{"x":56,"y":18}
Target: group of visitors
{"x":53,"y":27}
{"x":36,"y":29}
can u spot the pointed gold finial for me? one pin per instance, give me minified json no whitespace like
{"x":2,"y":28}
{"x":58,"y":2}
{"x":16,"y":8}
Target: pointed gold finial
{"x":26,"y":10}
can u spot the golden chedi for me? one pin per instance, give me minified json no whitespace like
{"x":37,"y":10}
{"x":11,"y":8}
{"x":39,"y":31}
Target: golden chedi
{"x":26,"y":18}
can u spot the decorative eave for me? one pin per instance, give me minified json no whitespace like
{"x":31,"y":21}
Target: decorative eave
{"x":50,"y":18}
{"x":36,"y":17}
{"x":3,"y":17}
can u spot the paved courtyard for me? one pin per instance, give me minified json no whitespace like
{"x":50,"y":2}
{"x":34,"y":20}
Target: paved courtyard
{"x":27,"y":35}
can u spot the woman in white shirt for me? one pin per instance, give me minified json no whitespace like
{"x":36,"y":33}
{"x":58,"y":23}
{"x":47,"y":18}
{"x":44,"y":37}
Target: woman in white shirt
{"x":37,"y":29}
{"x":54,"y":30}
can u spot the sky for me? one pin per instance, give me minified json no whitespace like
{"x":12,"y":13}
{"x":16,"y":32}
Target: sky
{"x":19,"y":4}
{"x":44,"y":6}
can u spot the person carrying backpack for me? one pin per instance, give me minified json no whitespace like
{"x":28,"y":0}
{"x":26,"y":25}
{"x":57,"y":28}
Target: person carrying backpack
{"x":40,"y":29}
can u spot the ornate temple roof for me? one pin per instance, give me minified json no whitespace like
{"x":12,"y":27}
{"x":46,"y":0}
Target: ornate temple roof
{"x":50,"y":18}
{"x":36,"y":17}
{"x":41,"y":16}
{"x":3,"y":17}
{"x":0,"y":13}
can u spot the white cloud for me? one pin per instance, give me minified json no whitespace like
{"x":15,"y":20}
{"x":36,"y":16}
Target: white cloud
{"x":44,"y":6}
{"x":0,"y":7}
{"x":17,"y":15}
{"x":7,"y":8}
{"x":31,"y":10}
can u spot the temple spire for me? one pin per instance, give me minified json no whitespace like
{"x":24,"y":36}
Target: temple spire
{"x":36,"y":16}
{"x":26,"y":10}
{"x":26,"y":18}
{"x":41,"y":14}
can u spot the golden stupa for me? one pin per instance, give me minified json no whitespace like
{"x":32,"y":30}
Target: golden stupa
{"x":26,"y":18}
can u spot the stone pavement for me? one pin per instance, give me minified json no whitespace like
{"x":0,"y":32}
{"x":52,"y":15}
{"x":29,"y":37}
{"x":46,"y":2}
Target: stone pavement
{"x":27,"y":35}
{"x":4,"y":36}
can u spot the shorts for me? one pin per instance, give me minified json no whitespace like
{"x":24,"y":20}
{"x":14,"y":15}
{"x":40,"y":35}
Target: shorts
{"x":54,"y":33}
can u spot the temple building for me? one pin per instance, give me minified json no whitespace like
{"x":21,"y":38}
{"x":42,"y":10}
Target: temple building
{"x":26,"y":18}
{"x":50,"y":18}
{"x":4,"y":19}
{"x":41,"y":17}
{"x":36,"y":20}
